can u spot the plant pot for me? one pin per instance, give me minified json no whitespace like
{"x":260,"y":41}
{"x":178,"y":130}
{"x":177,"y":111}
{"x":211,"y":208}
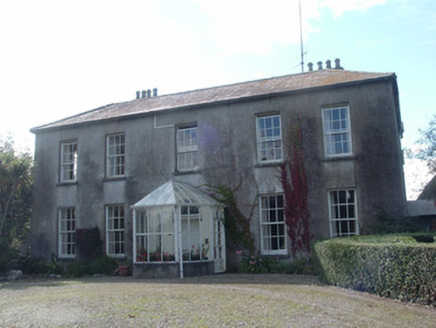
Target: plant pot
{"x":123,"y":270}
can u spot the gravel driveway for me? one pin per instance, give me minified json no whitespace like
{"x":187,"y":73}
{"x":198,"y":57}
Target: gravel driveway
{"x":225,"y":300}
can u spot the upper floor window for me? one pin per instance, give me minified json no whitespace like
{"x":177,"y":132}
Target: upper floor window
{"x":337,"y":136}
{"x":272,"y":220}
{"x":343,"y":213}
{"x":187,"y":149}
{"x":67,"y":232}
{"x":269,"y":138}
{"x":68,"y":161}
{"x":115,"y":155}
{"x":115,"y":237}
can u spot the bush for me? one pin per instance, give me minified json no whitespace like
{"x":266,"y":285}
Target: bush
{"x":88,"y":243}
{"x":102,"y":265}
{"x":390,"y":266}
{"x":8,"y":255}
{"x":256,"y":264}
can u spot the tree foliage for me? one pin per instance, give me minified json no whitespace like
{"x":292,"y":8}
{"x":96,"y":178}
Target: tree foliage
{"x":427,"y":145}
{"x":16,"y":181}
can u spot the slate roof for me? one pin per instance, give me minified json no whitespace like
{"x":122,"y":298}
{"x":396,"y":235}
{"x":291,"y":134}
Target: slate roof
{"x":227,"y":93}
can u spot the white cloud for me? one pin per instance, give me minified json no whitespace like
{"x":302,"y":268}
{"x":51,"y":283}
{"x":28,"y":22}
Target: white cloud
{"x":339,"y":7}
{"x":254,"y":27}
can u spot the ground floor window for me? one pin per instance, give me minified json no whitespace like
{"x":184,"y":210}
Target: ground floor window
{"x":115,"y":242}
{"x":154,"y":233}
{"x":272,"y":220}
{"x":67,"y":232}
{"x":343,"y":213}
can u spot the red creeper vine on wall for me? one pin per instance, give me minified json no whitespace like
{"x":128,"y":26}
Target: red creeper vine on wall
{"x":294,"y":182}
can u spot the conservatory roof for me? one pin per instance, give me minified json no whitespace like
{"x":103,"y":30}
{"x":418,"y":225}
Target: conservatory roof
{"x":176,"y":193}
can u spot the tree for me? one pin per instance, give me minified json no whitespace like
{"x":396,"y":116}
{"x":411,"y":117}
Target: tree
{"x":16,"y":181}
{"x":427,"y":145}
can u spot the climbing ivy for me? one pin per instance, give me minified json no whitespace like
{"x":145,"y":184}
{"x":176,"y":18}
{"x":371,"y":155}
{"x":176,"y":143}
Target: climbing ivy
{"x":294,"y":183}
{"x":237,"y":224}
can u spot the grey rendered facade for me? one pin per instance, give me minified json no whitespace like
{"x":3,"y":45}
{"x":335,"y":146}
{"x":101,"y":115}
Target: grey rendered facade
{"x":101,"y":162}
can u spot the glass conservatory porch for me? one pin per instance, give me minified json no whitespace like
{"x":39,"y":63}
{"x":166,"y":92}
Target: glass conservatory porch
{"x":180,"y":227}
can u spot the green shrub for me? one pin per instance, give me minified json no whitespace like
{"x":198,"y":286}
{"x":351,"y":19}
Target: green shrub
{"x":88,"y":243}
{"x":102,"y":265}
{"x":256,"y":264}
{"x":389,"y":266}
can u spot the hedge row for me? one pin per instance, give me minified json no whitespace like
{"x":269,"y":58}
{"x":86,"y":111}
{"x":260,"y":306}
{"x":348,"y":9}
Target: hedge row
{"x":395,"y":266}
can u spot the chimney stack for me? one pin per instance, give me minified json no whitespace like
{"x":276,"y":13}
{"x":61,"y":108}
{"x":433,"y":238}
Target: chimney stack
{"x":143,"y":94}
{"x":138,"y":94}
{"x":310,"y":65}
{"x":155,"y":92}
{"x":338,"y":64}
{"x":328,"y":64}
{"x":148,"y":93}
{"x":319,"y":65}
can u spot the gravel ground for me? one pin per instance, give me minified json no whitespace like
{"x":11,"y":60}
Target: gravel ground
{"x":226,"y":300}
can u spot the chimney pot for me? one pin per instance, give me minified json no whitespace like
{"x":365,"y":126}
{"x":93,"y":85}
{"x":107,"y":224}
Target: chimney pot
{"x":338,"y":64}
{"x":319,"y":65}
{"x":328,"y":63}
{"x":310,"y":65}
{"x":155,"y":92}
{"x":143,"y":94}
{"x":137,"y":94}
{"x":148,"y":93}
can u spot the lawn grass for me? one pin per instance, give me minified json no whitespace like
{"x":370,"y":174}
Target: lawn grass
{"x":227,"y":300}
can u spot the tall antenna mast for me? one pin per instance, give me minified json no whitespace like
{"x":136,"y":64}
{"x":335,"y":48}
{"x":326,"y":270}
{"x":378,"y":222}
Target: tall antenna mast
{"x":301,"y":39}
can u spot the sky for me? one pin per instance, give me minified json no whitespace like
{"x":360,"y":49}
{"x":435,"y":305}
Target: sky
{"x":60,"y":58}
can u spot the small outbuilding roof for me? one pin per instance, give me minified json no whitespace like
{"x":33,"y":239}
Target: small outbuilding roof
{"x":175,"y":193}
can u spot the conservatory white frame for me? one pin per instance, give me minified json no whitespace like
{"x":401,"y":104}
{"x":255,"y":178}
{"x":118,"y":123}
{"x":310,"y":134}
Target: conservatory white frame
{"x":178,"y":223}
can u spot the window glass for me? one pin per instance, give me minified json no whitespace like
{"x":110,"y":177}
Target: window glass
{"x":343,"y":216}
{"x":273,"y":232}
{"x":115,"y":155}
{"x":336,"y":131}
{"x":67,"y":232}
{"x":187,"y":149}
{"x":69,"y":161}
{"x":115,"y":236}
{"x":269,"y":138}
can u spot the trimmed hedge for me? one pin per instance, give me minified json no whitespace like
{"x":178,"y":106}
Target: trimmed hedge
{"x":390,"y":266}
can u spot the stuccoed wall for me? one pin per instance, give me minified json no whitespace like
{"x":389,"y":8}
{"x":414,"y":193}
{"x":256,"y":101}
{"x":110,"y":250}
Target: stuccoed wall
{"x":227,"y":155}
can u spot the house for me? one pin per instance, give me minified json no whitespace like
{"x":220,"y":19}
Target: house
{"x":423,"y":210}
{"x":96,"y":168}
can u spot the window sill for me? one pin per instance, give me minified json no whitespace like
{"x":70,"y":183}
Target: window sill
{"x":110,"y":179}
{"x":196,"y":171}
{"x":268,"y":164}
{"x":67,"y":183}
{"x":279,"y":255}
{"x":340,"y":158}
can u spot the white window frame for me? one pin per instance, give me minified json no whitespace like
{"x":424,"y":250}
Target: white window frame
{"x":337,"y":132}
{"x":268,"y":239}
{"x":187,"y":148}
{"x":69,"y":161}
{"x":269,"y":142}
{"x":67,"y":232}
{"x":343,"y":214}
{"x":116,"y":155}
{"x":115,"y":230}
